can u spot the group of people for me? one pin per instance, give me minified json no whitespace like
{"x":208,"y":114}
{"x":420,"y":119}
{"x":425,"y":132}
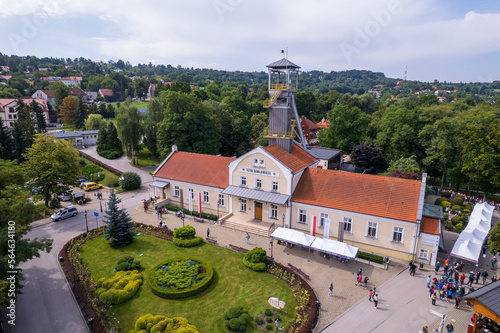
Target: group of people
{"x":99,"y":195}
{"x":162,"y":224}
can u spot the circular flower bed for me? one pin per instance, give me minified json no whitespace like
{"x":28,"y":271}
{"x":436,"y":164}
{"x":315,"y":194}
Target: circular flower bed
{"x":180,"y":277}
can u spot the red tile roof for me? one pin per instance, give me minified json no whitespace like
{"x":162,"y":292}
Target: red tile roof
{"x":208,"y":170}
{"x":429,"y":225}
{"x":49,"y":93}
{"x":106,"y":92}
{"x":324,"y":123}
{"x":296,"y":161}
{"x":6,"y":101}
{"x":306,"y":122}
{"x":394,"y":198}
{"x":75,"y":91}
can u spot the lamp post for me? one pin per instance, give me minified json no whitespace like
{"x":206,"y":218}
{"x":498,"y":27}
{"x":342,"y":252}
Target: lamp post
{"x":86,"y":222}
{"x":277,"y":322}
{"x":272,"y":258}
{"x":218,"y":204}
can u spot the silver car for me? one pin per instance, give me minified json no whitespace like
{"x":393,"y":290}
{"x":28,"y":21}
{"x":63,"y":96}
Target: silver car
{"x":64,"y":213}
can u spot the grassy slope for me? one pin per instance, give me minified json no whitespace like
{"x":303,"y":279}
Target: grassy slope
{"x":234,"y":284}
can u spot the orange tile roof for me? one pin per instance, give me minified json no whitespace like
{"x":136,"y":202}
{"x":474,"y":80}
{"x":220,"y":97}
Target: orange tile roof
{"x":296,"y":161}
{"x":394,"y":198}
{"x":429,"y":225}
{"x":195,"y":168}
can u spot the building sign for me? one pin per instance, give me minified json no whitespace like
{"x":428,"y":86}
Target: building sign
{"x":430,"y":240}
{"x":260,"y":172}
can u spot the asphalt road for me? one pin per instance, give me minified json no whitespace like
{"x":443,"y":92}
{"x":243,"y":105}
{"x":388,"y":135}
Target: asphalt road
{"x":47,"y":304}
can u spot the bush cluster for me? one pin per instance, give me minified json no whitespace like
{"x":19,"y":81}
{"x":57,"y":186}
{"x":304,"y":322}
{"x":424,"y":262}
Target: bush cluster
{"x":458,"y":200}
{"x":111,"y":180}
{"x":237,"y":319}
{"x":269,"y":327}
{"x":445,"y":204}
{"x":120,"y":287}
{"x":268,"y":312}
{"x":370,"y":257}
{"x":259,"y":320}
{"x":185,"y":237}
{"x":204,"y":279}
{"x":128,"y":264}
{"x":459,"y":227}
{"x":438,"y":201}
{"x":255,"y":259}
{"x":162,"y":324}
{"x":188,"y":242}
{"x":456,"y":208}
{"x":92,"y":170}
{"x":130,"y":181}
{"x":110,"y":154}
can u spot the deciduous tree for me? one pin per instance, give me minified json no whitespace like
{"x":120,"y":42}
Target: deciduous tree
{"x":68,"y":108}
{"x":128,"y":121}
{"x":367,"y":157}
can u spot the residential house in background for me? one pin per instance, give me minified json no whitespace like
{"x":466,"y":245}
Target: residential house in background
{"x":47,"y":95}
{"x":329,"y":158}
{"x":310,"y":131}
{"x":324,"y":123}
{"x":107,"y":94}
{"x":8,"y":110}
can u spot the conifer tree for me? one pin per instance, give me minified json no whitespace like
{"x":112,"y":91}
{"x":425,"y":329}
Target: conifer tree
{"x":81,"y":113}
{"x":118,"y":231}
{"x":6,"y":143}
{"x":41,"y":123}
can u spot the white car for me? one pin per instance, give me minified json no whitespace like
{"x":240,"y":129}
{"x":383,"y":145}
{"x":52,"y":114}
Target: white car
{"x":64,"y":213}
{"x":65,"y":196}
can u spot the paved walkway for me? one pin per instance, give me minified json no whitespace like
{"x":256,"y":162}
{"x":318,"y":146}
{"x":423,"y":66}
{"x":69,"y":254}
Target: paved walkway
{"x":321,"y":270}
{"x":122,"y":163}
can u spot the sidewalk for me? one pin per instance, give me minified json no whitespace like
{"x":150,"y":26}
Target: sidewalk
{"x":321,"y":270}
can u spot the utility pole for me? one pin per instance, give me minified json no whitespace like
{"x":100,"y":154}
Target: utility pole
{"x":86,"y":222}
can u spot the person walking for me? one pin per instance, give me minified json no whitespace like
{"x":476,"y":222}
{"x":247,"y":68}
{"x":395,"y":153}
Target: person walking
{"x":471,"y":278}
{"x":478,"y":274}
{"x":493,"y":263}
{"x":484,"y":275}
{"x":429,"y":281}
{"x":431,"y":291}
{"x":371,"y":295}
{"x":366,"y":281}
{"x":450,"y":328}
{"x":436,"y":267}
{"x":360,"y":279}
{"x":208,"y":232}
{"x":248,"y":238}
{"x":330,"y":289}
{"x":434,"y":297}
{"x":425,"y":329}
{"x":375,"y":300}
{"x":457,"y":302}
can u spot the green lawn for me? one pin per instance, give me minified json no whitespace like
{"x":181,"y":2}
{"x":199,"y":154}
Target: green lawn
{"x":145,"y":158}
{"x":233,"y":284}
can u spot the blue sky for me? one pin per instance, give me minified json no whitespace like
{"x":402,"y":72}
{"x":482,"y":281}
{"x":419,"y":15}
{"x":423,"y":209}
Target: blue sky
{"x":453,"y":41}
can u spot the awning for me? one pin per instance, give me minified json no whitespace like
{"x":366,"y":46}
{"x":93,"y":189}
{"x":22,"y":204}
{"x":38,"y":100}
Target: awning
{"x":259,"y":195}
{"x":159,"y":183}
{"x":293,"y":236}
{"x":335,"y":248}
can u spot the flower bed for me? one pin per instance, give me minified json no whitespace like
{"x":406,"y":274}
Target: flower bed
{"x":180,"y":277}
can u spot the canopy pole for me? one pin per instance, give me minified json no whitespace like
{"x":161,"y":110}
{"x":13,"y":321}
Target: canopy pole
{"x":308,"y":254}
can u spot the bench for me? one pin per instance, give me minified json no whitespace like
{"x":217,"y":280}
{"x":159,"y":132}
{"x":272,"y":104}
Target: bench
{"x":298,"y":270}
{"x":199,"y":219}
{"x":237,"y":248}
{"x":212,"y":241}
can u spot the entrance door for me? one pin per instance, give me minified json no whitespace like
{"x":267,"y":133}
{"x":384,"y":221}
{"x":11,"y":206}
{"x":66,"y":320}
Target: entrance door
{"x":258,"y":210}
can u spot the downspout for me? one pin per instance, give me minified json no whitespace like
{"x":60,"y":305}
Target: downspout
{"x":421,"y":200}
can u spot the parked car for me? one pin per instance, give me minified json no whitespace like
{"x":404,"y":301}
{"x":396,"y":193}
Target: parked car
{"x":65,"y":196}
{"x":64,"y":213}
{"x":91,"y":186}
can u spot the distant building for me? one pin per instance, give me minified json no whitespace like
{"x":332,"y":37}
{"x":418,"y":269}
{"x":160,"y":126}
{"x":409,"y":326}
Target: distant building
{"x":329,"y":158}
{"x":324,"y":123}
{"x":80,"y":139}
{"x":8,"y":110}
{"x":46,"y":95}
{"x":69,"y":81}
{"x":310,"y":131}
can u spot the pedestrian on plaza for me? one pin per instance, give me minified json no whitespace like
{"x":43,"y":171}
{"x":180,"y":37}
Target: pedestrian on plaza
{"x":429,"y":281}
{"x":431,"y":291}
{"x":434,"y":297}
{"x":436,"y":267}
{"x":160,"y":224}
{"x":435,"y":331}
{"x":248,"y":238}
{"x":484,"y":275}
{"x":145,"y":208}
{"x":360,"y":279}
{"x":375,"y":300}
{"x":441,"y":295}
{"x":366,"y":281}
{"x":161,"y":212}
{"x":493,"y":263}
{"x":374,"y":291}
{"x":425,"y":329}
{"x":478,"y":274}
{"x":462,"y":279}
{"x":409,"y":266}
{"x":330,"y":290}
{"x":446,"y":262}
{"x":471,"y":278}
{"x":457,"y":302}
{"x":371,"y":295}
{"x":413,"y":268}
{"x":208,"y":232}
{"x":450,"y":328}
{"x":157,"y":214}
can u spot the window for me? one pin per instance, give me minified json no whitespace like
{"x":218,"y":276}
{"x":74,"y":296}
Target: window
{"x":243,"y":181}
{"x":347,"y":224}
{"x":258,"y":184}
{"x":205,"y":197}
{"x":274,"y":186}
{"x":177,"y":192}
{"x":243,"y":205}
{"x":423,"y":254}
{"x":10,"y":124}
{"x":322,"y":218}
{"x":221,"y":202}
{"x":302,"y":216}
{"x":397,"y":234}
{"x":274,"y":212}
{"x":372,"y":229}
{"x":191,"y":193}
{"x":255,"y":162}
{"x":10,"y":116}
{"x":261,"y":163}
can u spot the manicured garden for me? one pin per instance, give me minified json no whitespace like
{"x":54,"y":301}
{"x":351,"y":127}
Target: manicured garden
{"x":233,"y":284}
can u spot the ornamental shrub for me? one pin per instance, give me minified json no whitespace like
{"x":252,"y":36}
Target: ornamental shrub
{"x":466,"y":211}
{"x":446,"y":195}
{"x":162,"y":324}
{"x":370,"y":257}
{"x":91,"y":169}
{"x":130,"y":181}
{"x":236,"y":319}
{"x":269,"y":327}
{"x":259,"y":320}
{"x":438,"y":201}
{"x":120,"y":287}
{"x":456,"y":208}
{"x":455,"y":220}
{"x":268,"y":312}
{"x":188,"y":242}
{"x":269,"y":319}
{"x":111,"y":180}
{"x":255,"y":259}
{"x":458,"y":200}
{"x":445,"y":204}
{"x":128,"y":264}
{"x":185,"y":232}
{"x":459,"y":227}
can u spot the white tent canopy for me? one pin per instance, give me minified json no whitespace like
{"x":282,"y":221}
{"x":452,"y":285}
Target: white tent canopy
{"x":470,"y":242}
{"x":320,"y":244}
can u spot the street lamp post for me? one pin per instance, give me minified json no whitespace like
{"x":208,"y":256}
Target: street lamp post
{"x":218,"y":212}
{"x":86,"y":222}
{"x":272,"y":258}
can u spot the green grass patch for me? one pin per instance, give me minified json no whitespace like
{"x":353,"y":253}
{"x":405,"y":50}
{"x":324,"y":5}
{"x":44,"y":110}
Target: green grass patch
{"x":233,"y":284}
{"x":145,"y":158}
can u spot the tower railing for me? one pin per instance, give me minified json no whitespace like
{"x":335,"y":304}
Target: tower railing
{"x":283,"y":86}
{"x":273,"y":99}
{"x":277,"y":134}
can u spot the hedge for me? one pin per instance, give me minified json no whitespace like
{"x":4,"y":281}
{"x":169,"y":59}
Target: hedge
{"x":191,"y":242}
{"x":370,"y":257}
{"x":119,"y":288}
{"x":456,"y":207}
{"x":99,"y":163}
{"x":445,"y":204}
{"x":176,"y":294}
{"x":438,"y":201}
{"x":160,"y":324}
{"x":458,"y":200}
{"x":459,"y":227}
{"x":258,"y":267}
{"x":191,"y":212}
{"x":255,"y":259}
